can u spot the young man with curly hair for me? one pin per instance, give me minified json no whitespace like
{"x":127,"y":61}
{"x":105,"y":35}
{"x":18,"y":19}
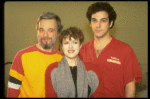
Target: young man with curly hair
{"x":116,"y":60}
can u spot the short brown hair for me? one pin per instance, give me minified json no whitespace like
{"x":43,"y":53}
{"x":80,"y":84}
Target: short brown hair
{"x":74,"y":32}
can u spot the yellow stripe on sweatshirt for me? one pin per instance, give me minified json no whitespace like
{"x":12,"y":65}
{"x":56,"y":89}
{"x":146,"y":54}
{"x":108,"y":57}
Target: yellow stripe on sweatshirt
{"x":15,"y":74}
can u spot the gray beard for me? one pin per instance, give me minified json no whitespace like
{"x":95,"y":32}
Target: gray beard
{"x":47,"y":46}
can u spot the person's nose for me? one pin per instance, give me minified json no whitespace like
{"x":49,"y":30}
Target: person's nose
{"x":45,"y":34}
{"x":70,"y":45}
{"x":99,"y":24}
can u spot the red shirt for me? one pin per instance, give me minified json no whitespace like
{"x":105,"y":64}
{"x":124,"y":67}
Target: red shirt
{"x":118,"y":65}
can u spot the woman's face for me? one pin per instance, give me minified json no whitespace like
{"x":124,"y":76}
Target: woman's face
{"x":71,"y":47}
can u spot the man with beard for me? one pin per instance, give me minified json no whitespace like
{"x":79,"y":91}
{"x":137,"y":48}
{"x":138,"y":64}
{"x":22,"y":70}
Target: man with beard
{"x":27,"y":73}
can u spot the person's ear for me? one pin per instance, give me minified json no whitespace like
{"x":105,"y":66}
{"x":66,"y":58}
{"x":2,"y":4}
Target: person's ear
{"x":111,"y":23}
{"x":90,"y":25}
{"x":81,"y":45}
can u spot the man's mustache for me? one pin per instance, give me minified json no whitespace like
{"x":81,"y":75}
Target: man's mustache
{"x":45,"y":38}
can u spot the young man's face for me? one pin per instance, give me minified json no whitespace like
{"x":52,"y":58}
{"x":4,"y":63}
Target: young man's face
{"x":47,"y":33}
{"x":100,"y":24}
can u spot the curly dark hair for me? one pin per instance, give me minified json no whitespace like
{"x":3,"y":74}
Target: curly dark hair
{"x":102,"y":6}
{"x":74,"y":32}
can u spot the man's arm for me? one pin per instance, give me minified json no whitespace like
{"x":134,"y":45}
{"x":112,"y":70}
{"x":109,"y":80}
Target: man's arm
{"x":132,"y":73}
{"x":16,"y":75}
{"x":130,"y":89}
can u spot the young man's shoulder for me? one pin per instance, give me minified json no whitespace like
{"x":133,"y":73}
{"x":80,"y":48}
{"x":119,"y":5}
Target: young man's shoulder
{"x":121,"y":44}
{"x":87,"y":45}
{"x":115,"y":41}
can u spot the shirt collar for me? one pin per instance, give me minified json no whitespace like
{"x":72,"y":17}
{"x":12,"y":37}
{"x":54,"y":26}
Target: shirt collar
{"x":91,"y":43}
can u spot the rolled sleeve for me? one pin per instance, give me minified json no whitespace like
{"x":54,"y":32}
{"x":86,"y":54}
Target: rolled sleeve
{"x":131,"y":68}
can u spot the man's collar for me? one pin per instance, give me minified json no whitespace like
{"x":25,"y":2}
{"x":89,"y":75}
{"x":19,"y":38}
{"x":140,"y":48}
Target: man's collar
{"x":91,"y":43}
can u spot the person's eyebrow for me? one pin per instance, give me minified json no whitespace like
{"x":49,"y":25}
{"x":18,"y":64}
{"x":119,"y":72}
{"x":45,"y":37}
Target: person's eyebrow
{"x":104,"y":19}
{"x":51,"y":29}
{"x":93,"y":19}
{"x":100,"y":19}
{"x":40,"y":28}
